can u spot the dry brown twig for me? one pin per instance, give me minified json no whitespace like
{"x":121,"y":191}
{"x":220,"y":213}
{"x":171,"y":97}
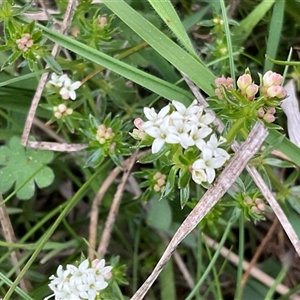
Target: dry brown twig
{"x":254,"y":271}
{"x":9,"y":235}
{"x":210,"y":198}
{"x":115,"y":206}
{"x":37,"y":96}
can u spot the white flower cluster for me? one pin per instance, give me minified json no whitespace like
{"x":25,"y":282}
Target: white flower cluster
{"x":82,"y":282}
{"x":67,"y":86}
{"x":187,"y":126}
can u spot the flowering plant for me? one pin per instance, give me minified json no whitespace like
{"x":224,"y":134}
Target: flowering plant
{"x":182,"y":139}
{"x":248,"y":102}
{"x":83,"y":282}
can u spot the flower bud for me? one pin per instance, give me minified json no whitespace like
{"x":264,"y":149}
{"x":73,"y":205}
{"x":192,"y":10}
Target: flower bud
{"x":269,"y":118}
{"x":138,"y":122}
{"x":276,"y":91}
{"x":251,"y":91}
{"x":271,"y":110}
{"x":61,"y":108}
{"x":271,"y":78}
{"x":161,"y":182}
{"x":260,"y":112}
{"x":57,"y":115}
{"x":69,"y":111}
{"x":244,"y":81}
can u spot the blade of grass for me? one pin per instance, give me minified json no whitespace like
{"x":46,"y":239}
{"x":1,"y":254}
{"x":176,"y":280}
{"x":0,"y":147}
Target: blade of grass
{"x":232,"y":220}
{"x":286,"y":147}
{"x":157,"y":85}
{"x":178,"y":57}
{"x":228,"y":40}
{"x":274,"y":33}
{"x":166,"y":11}
{"x":242,"y":32}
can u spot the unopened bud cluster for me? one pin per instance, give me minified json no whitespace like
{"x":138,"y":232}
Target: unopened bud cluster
{"x":270,"y":86}
{"x":160,"y":180}
{"x":257,"y":205}
{"x":267,"y":114}
{"x":25,"y":42}
{"x":61,"y":111}
{"x":104,"y":134}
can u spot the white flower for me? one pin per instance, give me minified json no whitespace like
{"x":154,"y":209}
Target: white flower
{"x":154,"y":119}
{"x":208,"y":163}
{"x":58,"y":80}
{"x":100,"y":270}
{"x":198,"y":174}
{"x":213,"y":144}
{"x":161,"y":135}
{"x":68,"y":89}
{"x":185,"y":113}
{"x":199,"y":134}
{"x":182,"y":129}
{"x":78,"y":273}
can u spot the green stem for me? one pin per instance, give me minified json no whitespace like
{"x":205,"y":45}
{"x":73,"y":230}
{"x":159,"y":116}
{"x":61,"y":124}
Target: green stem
{"x":239,"y":290}
{"x":234,"y":130}
{"x":232,"y":220}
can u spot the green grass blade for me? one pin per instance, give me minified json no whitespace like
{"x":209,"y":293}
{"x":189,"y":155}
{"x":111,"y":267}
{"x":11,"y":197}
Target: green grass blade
{"x":228,"y":40}
{"x":286,"y":147}
{"x":178,"y":57}
{"x":242,"y":32}
{"x":157,"y":85}
{"x":274,"y":33}
{"x":166,"y":11}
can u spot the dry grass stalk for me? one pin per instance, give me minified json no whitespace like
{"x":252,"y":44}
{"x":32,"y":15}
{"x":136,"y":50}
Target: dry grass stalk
{"x":207,"y":202}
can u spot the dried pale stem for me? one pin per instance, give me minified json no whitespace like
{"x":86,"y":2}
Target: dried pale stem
{"x":276,"y":208}
{"x":115,"y":207}
{"x":180,"y":263}
{"x":97,"y":201}
{"x":254,"y":272}
{"x":9,"y":235}
{"x":38,"y":94}
{"x":210,"y":198}
{"x":258,"y":252}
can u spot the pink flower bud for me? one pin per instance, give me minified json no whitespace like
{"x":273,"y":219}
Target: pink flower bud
{"x":251,"y":91}
{"x":244,"y":81}
{"x":57,"y":115}
{"x":138,"y":122}
{"x":260,"y":112}
{"x":271,"y":110}
{"x":29,"y":43}
{"x":218,"y":93}
{"x":161,"y":182}
{"x":271,"y":78}
{"x":276,"y":91}
{"x":156,"y":188}
{"x":269,"y":118}
{"x":61,"y":108}
{"x":65,"y":96}
{"x":102,"y":21}
{"x":69,"y":111}
{"x":221,"y":81}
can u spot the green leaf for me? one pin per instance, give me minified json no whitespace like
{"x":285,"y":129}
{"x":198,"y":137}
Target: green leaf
{"x":286,"y":147}
{"x":157,"y":85}
{"x":184,"y":196}
{"x":246,"y":27}
{"x":274,"y":33}
{"x":149,"y":158}
{"x":178,"y":57}
{"x":184,"y":178}
{"x":23,"y":168}
{"x":170,"y":182}
{"x":166,"y":11}
{"x":52,"y":64}
{"x":278,"y":163}
{"x":160,"y":215}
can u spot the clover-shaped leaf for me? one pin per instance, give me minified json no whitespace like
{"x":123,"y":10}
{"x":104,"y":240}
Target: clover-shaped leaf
{"x":24,"y":167}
